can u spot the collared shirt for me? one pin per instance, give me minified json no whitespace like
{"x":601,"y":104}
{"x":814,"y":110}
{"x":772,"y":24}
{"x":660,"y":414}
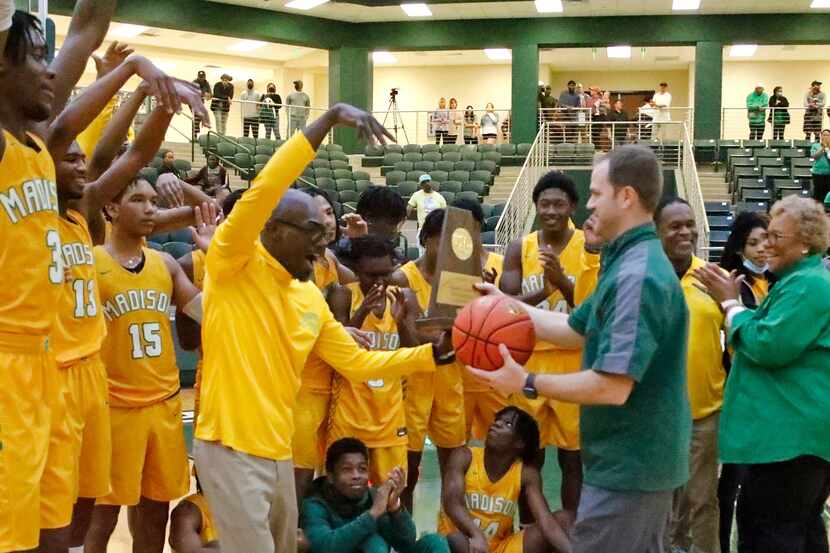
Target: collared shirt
{"x":635,"y":324}
{"x":777,"y":405}
{"x":260,"y":325}
{"x":704,"y":363}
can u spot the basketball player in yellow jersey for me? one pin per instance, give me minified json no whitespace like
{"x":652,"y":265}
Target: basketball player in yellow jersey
{"x":373,"y":410}
{"x":149,"y":461}
{"x":541,"y":269}
{"x":434,"y":402}
{"x":480,"y":493}
{"x":191,"y":525}
{"x":481,"y":403}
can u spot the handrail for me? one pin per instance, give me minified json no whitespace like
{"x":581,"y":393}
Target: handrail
{"x":735,"y":123}
{"x":229,"y":140}
{"x":694,"y":193}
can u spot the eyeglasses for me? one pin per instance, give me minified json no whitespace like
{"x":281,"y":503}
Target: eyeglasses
{"x":773,"y":236}
{"x":315,"y":230}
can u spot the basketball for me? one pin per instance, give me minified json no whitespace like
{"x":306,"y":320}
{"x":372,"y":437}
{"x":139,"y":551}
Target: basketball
{"x":486,"y":322}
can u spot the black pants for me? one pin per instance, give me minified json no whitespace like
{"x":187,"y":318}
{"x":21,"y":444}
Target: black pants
{"x":778,"y":131}
{"x":780,"y":506}
{"x":756,"y":131}
{"x":812,"y":127}
{"x":451,"y":139}
{"x":729,"y":485}
{"x":197,"y":126}
{"x":445,"y":135}
{"x":821,"y":186}
{"x":271,"y":126}
{"x":250,"y":123}
{"x":470,"y":140}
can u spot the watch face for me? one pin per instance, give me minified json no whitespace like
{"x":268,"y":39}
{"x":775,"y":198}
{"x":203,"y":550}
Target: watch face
{"x":530,"y":393}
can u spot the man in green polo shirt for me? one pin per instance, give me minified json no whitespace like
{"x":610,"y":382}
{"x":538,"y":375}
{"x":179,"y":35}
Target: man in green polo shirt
{"x":635,"y":420}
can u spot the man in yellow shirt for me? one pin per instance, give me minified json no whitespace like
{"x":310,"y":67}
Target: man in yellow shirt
{"x":695,"y":519}
{"x":262,"y":318}
{"x":551,"y":269}
{"x":425,"y":200}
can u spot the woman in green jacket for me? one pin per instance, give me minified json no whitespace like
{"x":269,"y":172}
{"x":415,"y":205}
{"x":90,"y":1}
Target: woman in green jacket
{"x":776,"y":410}
{"x":342,"y":514}
{"x":756,"y":104}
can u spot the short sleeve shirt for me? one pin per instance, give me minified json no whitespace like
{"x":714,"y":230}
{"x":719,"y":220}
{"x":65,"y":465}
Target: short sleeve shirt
{"x":636,"y":324}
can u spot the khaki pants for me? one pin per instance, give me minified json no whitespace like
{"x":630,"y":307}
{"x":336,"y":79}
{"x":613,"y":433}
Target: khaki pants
{"x":695,"y":517}
{"x":252,"y":499}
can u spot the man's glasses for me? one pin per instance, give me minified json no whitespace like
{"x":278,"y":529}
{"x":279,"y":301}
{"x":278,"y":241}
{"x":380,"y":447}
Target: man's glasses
{"x":315,"y":230}
{"x":774,"y":237}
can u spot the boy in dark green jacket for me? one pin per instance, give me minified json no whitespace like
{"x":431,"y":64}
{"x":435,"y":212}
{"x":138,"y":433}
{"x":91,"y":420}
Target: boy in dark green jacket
{"x":342,"y":514}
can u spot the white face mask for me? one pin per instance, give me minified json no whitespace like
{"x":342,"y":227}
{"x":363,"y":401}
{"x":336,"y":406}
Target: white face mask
{"x":755,"y":268}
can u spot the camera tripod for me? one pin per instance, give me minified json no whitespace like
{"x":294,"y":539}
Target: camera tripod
{"x":397,"y":120}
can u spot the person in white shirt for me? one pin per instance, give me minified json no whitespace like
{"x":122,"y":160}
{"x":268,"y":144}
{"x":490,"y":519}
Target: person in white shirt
{"x":425,"y":200}
{"x":250,"y":110}
{"x":662,"y":103}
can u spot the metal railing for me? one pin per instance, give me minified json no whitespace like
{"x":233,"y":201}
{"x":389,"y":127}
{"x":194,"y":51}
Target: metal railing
{"x":516,"y":220}
{"x":773,"y":124}
{"x":448,"y":127}
{"x":689,"y":189}
{"x":646,"y":115}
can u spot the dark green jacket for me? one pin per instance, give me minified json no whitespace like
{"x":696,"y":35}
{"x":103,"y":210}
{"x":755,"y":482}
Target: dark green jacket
{"x":343,"y":528}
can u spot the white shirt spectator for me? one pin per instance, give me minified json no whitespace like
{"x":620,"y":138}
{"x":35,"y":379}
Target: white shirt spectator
{"x":490,"y":123}
{"x":250,"y":107}
{"x":662,"y":100}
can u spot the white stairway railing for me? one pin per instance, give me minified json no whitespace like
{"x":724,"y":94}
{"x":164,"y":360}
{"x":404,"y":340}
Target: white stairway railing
{"x":691,"y":191}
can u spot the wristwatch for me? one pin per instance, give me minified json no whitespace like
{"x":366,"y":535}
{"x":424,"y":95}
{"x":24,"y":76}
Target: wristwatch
{"x":529,"y":389}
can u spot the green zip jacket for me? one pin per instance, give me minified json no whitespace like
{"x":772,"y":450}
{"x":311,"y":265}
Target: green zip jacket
{"x":756,"y":104}
{"x":777,"y":401}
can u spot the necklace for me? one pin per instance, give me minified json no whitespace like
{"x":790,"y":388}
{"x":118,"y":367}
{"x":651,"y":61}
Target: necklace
{"x":132,"y":262}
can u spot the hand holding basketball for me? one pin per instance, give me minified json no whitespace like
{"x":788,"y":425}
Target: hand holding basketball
{"x":509,"y":379}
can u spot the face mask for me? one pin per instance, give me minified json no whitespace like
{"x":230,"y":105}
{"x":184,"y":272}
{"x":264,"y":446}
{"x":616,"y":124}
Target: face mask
{"x":748,"y":264}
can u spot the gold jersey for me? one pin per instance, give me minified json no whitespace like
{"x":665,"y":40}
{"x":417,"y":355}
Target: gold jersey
{"x":317,"y":375}
{"x":198,"y":257}
{"x":30,"y":246}
{"x":138,"y":350}
{"x":372,"y":411}
{"x":492,"y":505}
{"x":80,"y":328}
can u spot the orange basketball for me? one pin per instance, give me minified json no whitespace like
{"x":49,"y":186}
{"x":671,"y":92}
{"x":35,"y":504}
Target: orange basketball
{"x":486,"y":322}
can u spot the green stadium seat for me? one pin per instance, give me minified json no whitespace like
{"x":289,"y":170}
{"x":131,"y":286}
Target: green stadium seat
{"x":323,"y":172}
{"x":427,"y":148}
{"x":308,"y":171}
{"x":803,"y":144}
{"x":412,"y":156}
{"x":755,"y":207}
{"x":334,"y":148}
{"x":471,"y":156}
{"x":705,"y":150}
{"x":360,"y":175}
{"x":450,"y":148}
{"x":160,"y":238}
{"x":801,"y":162}
{"x":414,"y":175}
{"x":448,"y":196}
{"x":177,"y":249}
{"x":305,"y":182}
{"x":493,"y":156}
{"x":439,"y":176}
{"x":247,"y":141}
{"x":487,"y":210}
{"x":475,"y":186}
{"x":361,"y":185}
{"x":426,"y":166}
{"x":434,"y":157}
{"x":753,"y":195}
{"x":326,"y":183}
{"x":269,"y":142}
{"x":468,"y":148}
{"x":451,"y":186}
{"x":413,"y":253}
{"x":780,"y":143}
{"x":226,"y":150}
{"x":404,"y":166}
{"x":340,"y":164}
{"x":395,"y":177}
{"x":451,"y":156}
{"x":465,"y":165}
{"x":393,"y":148}
{"x":338,"y":156}
{"x":155,"y":245}
{"x":491,"y":222}
{"x":498,"y":209}
{"x":264,"y":149}
{"x":523,"y":149}
{"x":261,"y":158}
{"x":150,"y":174}
{"x":766,"y":152}
{"x":507,"y":149}
{"x":769,"y":162}
{"x":484,"y":176}
{"x":182,"y":165}
{"x":584,"y":153}
{"x":487,"y":148}
{"x":258,"y":167}
{"x":460,"y":176}
{"x":373,"y":150}
{"x":487,"y":165}
{"x":321,"y":164}
{"x":321,"y":154}
{"x":243,"y":160}
{"x":407,"y":188}
{"x":411,"y":148}
{"x":467,"y":195}
{"x":342,"y":174}
{"x":753,"y":144}
{"x":345,"y":184}
{"x":348,"y":196}
{"x":789,"y":153}
{"x":445,"y":166}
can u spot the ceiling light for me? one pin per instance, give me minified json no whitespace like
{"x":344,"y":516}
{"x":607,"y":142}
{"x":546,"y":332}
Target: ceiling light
{"x":305,"y":4}
{"x":618,"y":51}
{"x":742,"y":50}
{"x":820,"y":4}
{"x":681,"y":5}
{"x":549,"y":6}
{"x":497,"y":54}
{"x":383,"y":57}
{"x":416,"y":10}
{"x":246,"y":45}
{"x":125,"y":30}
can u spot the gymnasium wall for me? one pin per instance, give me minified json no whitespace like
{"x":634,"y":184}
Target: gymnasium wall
{"x":627,"y":80}
{"x":739,"y":78}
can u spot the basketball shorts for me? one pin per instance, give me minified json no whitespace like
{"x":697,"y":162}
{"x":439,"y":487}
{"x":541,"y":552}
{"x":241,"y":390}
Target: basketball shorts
{"x":149,"y":458}
{"x":434,"y":405}
{"x":310,"y":418}
{"x":383,"y":459}
{"x":480,"y":408}
{"x":27,"y":367}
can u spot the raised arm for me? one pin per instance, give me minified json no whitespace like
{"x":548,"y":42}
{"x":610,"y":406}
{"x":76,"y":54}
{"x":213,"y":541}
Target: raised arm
{"x":90,"y":22}
{"x":116,"y":133}
{"x":454,"y":503}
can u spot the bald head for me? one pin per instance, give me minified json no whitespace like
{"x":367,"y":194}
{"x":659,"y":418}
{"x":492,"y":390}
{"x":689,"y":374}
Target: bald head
{"x":295,"y":233}
{"x":296,"y":207}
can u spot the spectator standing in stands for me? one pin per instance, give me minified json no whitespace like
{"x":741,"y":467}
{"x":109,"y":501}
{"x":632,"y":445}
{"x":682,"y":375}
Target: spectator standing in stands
{"x":821,"y":166}
{"x":571,"y":100}
{"x":814,"y":101}
{"x":779,"y":116}
{"x":694,"y":523}
{"x":646,"y":114}
{"x":425,"y":200}
{"x":581,"y":115}
{"x":661,"y":102}
{"x":250,"y":110}
{"x":454,"y":122}
{"x":599,"y":112}
{"x":619,"y":123}
{"x":776,"y":409}
{"x":298,"y":108}
{"x":489,"y":124}
{"x":221,"y":103}
{"x":204,"y":87}
{"x":269,"y":111}
{"x":440,"y":122}
{"x":548,"y":103}
{"x":470,"y":126}
{"x":756,"y":102}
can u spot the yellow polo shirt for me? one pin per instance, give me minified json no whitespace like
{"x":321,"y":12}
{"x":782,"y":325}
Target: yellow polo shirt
{"x":260,"y":325}
{"x":704,"y":361}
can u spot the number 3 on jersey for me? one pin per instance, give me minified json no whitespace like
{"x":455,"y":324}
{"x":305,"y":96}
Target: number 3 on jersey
{"x":146,"y":339}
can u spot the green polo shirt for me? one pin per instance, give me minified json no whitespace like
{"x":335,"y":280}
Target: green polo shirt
{"x":635,"y":324}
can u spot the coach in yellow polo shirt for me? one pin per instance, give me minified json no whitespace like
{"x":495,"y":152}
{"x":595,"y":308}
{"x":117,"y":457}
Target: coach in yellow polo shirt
{"x":262,"y":317}
{"x":695,"y":518}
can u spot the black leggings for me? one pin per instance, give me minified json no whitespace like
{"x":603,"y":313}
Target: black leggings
{"x":729,"y":485}
{"x":756,"y":131}
{"x":778,"y":131}
{"x":251,"y":123}
{"x":439,"y":135}
{"x":470,"y":140}
{"x":821,"y":186}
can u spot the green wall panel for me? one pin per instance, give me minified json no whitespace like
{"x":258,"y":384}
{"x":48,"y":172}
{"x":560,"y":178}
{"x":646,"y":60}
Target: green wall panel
{"x":708,"y":89}
{"x":350,"y":81}
{"x":525,"y":78}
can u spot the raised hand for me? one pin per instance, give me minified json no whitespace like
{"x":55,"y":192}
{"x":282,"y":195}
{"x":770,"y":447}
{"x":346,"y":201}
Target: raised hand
{"x":554,"y":274}
{"x":115,"y":55}
{"x":206,"y":222}
{"x":170,"y":190}
{"x":721,"y":285}
{"x":397,"y":475}
{"x":489,"y":275}
{"x":368,"y":128}
{"x":191,"y":95}
{"x":355,"y":225}
{"x":399,"y":310}
{"x":375,"y":300}
{"x":162,"y":86}
{"x":381,"y":500}
{"x":362,"y":337}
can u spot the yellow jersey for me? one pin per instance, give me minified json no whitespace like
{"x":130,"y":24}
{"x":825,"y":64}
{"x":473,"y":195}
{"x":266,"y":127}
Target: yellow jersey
{"x":575,"y":261}
{"x":472,"y":384}
{"x":317,"y":375}
{"x":373,"y":410}
{"x":80,"y":327}
{"x":325,"y":271}
{"x":260,"y":325}
{"x":705,"y":374}
{"x":138,"y":350}
{"x":198,"y":257}
{"x":760,"y":289}
{"x":418,"y":284}
{"x":207,"y":530}
{"x":492,"y":505}
{"x":30,"y":245}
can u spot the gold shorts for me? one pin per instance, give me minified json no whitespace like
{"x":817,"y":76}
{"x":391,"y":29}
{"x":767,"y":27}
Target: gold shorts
{"x":434,"y":404}
{"x":383,"y":459}
{"x":310,"y":417}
